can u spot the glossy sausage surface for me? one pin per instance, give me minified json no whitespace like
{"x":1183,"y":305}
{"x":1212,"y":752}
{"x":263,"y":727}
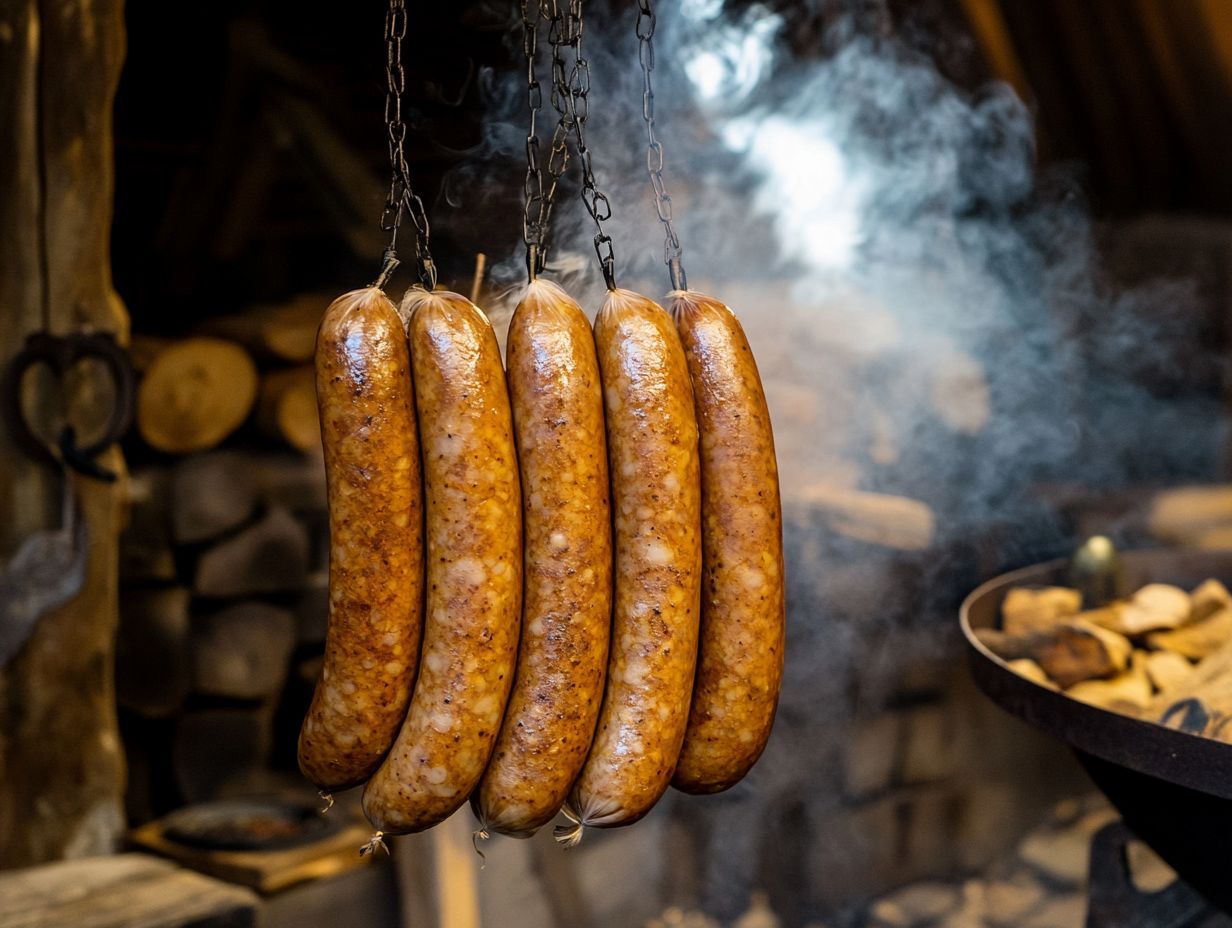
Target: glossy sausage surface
{"x":557,"y":403}
{"x":740,"y":660}
{"x":656,"y":506}
{"x":368,"y":433}
{"x":474,"y":568}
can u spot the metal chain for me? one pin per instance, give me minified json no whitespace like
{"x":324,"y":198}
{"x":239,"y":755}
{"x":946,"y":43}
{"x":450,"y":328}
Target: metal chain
{"x":570,"y":87}
{"x":538,"y":199}
{"x":672,"y":250}
{"x":401,"y":198}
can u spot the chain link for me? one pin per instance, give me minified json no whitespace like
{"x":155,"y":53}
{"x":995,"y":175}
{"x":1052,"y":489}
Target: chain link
{"x":538,"y":199}
{"x":570,"y":89}
{"x":401,"y":198}
{"x":672,"y":250}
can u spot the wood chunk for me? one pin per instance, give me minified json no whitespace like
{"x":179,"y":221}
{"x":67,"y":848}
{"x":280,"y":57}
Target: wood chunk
{"x":1084,"y":652}
{"x":212,"y":494}
{"x":308,"y":671}
{"x":1208,"y":598}
{"x":270,"y":556}
{"x":1179,"y":515}
{"x":143,"y":349}
{"x":1028,"y":609}
{"x":1068,"y":654}
{"x":972,"y":911}
{"x":1025,"y":667}
{"x":195,"y":394}
{"x":119,"y":891}
{"x":877,"y":518}
{"x":1006,"y":646}
{"x":1203,"y":697}
{"x":1167,"y":670}
{"x":1149,"y":871}
{"x":312,"y":610}
{"x":145,"y":544}
{"x":285,"y":332}
{"x":1109,"y":617}
{"x":1155,"y":606}
{"x":242,"y":651}
{"x":1129,"y":692}
{"x":1196,"y":640}
{"x":152,"y":651}
{"x":1008,"y":900}
{"x":287,"y":408}
{"x":292,"y":481}
{"x":1217,"y":538}
{"x":914,"y":905}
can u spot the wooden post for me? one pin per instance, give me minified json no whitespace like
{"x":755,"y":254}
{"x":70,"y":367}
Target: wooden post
{"x":61,"y":767}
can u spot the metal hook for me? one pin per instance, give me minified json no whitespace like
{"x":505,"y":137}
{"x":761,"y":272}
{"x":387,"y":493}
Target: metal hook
{"x":534,"y":262}
{"x":389,"y":263}
{"x":676,"y":269}
{"x":427,"y":272}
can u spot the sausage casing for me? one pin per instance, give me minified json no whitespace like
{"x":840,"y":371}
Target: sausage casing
{"x":557,"y":404}
{"x":474,"y":568}
{"x":367,"y":411}
{"x":740,"y":654}
{"x":652,"y":453}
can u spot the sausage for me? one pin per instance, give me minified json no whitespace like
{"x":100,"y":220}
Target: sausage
{"x":740,"y":654}
{"x":474,"y":568}
{"x":656,"y":506}
{"x":567,"y":585}
{"x":367,"y":412}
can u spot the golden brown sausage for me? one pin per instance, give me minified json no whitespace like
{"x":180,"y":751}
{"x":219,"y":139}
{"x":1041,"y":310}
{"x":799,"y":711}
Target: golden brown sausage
{"x":376,"y":540}
{"x":652,"y":449}
{"x":740,"y":657}
{"x":567,"y":586}
{"x":474,"y":568}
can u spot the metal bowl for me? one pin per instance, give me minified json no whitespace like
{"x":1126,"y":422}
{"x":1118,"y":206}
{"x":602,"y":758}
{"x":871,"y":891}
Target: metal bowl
{"x":1172,"y":788}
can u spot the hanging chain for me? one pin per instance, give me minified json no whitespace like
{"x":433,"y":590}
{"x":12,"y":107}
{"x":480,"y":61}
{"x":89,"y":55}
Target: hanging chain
{"x":401,"y":198}
{"x":538,"y":199}
{"x":672,"y":251}
{"x":570,"y":87}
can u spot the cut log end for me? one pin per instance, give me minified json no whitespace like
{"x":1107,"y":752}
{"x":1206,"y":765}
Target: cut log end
{"x":194,"y":394}
{"x":287,"y":408}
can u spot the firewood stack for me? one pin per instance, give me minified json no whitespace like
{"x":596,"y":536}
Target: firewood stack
{"x":223,"y":562}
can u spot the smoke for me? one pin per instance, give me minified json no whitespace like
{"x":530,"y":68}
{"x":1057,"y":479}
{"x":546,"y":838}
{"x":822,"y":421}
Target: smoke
{"x":927,"y":309}
{"x":929,"y":316}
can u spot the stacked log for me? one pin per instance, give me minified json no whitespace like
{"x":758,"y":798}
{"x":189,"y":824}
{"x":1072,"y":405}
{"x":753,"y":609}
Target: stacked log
{"x":224,"y":554}
{"x":196,"y":392}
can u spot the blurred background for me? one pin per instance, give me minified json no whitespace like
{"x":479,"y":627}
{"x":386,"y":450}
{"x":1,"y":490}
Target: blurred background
{"x":983,"y":252}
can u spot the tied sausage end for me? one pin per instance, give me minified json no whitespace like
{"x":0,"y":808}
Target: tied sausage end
{"x":569,"y":835}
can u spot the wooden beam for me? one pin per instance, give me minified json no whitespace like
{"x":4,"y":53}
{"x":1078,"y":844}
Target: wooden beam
{"x":24,"y":486}
{"x":61,"y":767}
{"x":993,"y":35}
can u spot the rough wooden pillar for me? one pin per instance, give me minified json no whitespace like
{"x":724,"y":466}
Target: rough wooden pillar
{"x":61,"y":767}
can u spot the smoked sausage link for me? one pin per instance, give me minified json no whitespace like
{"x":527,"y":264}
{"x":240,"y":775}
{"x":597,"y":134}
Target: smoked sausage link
{"x":557,"y":403}
{"x":740,"y":660}
{"x":656,"y":506}
{"x":474,"y":568}
{"x":376,"y":540}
